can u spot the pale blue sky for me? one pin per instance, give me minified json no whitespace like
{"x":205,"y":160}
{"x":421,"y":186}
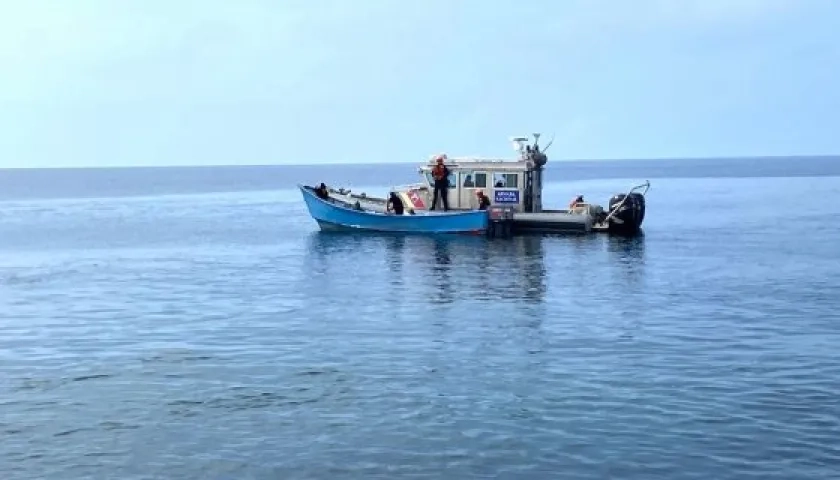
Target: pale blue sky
{"x":163,"y":82}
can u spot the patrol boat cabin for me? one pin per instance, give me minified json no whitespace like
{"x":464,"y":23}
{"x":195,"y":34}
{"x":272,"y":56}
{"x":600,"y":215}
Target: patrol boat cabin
{"x":512,"y":183}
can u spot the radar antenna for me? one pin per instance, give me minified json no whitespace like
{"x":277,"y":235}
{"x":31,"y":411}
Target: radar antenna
{"x":518,"y":143}
{"x":549,"y":144}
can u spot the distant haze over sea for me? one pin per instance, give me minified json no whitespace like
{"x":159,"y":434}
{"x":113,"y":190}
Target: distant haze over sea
{"x":131,"y":181}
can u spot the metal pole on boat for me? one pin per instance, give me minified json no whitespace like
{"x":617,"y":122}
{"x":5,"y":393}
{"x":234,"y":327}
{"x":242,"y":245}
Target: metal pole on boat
{"x":535,"y":176}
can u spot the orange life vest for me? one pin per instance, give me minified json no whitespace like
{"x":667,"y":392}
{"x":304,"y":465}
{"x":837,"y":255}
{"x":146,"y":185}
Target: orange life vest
{"x":438,"y":172}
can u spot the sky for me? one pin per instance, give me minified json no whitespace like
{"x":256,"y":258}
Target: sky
{"x":207,"y":82}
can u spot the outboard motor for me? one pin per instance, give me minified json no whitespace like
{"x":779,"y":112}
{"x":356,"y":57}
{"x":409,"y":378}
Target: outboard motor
{"x":629,"y":217}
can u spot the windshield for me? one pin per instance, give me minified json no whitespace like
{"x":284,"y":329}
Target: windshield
{"x":453,"y":183}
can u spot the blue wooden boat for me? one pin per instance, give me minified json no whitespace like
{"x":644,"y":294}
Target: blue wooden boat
{"x":335,"y":214}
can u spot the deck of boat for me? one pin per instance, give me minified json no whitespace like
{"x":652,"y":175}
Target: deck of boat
{"x":546,"y":221}
{"x":551,"y":222}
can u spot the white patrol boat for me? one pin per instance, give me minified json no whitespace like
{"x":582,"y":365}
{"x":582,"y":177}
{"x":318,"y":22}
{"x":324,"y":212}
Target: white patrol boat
{"x":515,"y":184}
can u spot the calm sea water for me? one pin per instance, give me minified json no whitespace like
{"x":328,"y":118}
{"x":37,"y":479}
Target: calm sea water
{"x":192,"y":323}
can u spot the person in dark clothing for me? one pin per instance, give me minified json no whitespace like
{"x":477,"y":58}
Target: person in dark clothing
{"x":483,"y":200}
{"x":322,"y":192}
{"x":440,"y":174}
{"x":394,"y":204}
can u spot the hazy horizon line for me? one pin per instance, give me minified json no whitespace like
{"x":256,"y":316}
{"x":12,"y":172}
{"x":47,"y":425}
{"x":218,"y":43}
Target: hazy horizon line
{"x":406,"y":162}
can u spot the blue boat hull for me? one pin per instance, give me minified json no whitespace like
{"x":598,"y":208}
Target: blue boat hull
{"x":334,"y":214}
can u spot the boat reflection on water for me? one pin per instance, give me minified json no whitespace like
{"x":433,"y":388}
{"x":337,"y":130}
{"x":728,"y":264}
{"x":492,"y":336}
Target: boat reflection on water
{"x":515,"y":269}
{"x":626,"y":259}
{"x":441,"y":268}
{"x":331,"y":252}
{"x":356,"y":273}
{"x":628,"y":255}
{"x":323,"y":248}
{"x":394,"y":253}
{"x":442,"y":271}
{"x":478,"y":269}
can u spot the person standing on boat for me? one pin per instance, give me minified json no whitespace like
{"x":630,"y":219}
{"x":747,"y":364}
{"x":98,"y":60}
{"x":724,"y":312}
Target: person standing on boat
{"x":322,"y":192}
{"x":394,"y":204}
{"x":440,"y":174}
{"x":483,"y":200}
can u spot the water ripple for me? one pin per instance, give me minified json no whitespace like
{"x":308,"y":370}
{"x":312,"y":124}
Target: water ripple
{"x":211,"y":351}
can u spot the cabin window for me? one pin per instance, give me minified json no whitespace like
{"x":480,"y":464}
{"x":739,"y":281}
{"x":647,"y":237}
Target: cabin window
{"x":474,"y":180}
{"x":453,"y":180}
{"x":505,"y":180}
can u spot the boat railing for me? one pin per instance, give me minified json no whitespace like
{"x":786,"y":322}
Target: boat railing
{"x":408,"y":186}
{"x":617,"y":208}
{"x":483,"y":159}
{"x":471,"y":160}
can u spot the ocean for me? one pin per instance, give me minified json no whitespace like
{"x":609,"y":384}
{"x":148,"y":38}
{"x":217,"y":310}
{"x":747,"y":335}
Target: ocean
{"x":187,"y":323}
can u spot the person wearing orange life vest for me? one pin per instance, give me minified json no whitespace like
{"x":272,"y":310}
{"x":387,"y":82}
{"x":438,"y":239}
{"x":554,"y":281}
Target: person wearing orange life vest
{"x":440,"y":174}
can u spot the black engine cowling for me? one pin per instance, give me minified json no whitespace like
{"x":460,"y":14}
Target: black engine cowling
{"x":628,"y":220}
